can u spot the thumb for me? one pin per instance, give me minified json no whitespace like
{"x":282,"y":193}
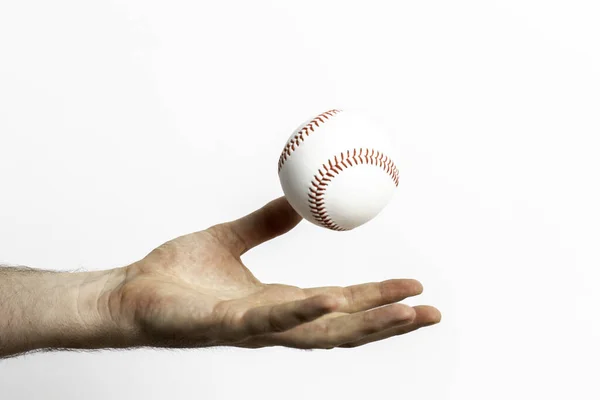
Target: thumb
{"x":274,"y":219}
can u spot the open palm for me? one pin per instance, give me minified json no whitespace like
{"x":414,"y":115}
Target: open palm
{"x":194,"y":291}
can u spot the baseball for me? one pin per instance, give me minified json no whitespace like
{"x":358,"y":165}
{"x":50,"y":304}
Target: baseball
{"x":336,"y":170}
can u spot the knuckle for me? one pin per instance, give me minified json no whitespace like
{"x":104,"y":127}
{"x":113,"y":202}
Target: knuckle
{"x":226,"y":233}
{"x":386,"y":292}
{"x":300,"y":316}
{"x":233,"y":326}
{"x":276,"y":325}
{"x":350,"y":295}
{"x":329,"y":340}
{"x":369,"y":330}
{"x":217,"y":232}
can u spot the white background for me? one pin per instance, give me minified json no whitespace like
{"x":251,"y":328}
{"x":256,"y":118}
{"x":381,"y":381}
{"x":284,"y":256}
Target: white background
{"x":124,"y":124}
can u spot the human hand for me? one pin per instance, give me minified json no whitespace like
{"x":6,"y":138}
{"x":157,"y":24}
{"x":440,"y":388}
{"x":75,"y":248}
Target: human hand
{"x":194,"y":291}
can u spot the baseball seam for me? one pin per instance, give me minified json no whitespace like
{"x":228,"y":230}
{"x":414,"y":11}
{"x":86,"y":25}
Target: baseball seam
{"x":332,"y":168}
{"x":303,"y":133}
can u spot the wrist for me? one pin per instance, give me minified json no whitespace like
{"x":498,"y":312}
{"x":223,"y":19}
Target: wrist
{"x":78,"y":312}
{"x":58,"y":310}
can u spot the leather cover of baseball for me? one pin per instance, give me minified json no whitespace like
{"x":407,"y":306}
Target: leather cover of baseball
{"x":336,"y":170}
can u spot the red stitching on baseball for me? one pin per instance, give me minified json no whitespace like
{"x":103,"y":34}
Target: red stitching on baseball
{"x":303,"y":133}
{"x":316,"y":193}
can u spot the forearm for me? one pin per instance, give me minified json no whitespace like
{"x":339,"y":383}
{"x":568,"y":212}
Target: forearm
{"x":53,"y":310}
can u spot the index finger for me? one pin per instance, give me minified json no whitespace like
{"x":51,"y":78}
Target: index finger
{"x":274,"y":219}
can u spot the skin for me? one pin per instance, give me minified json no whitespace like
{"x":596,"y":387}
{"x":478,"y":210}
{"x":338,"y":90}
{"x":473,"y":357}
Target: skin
{"x":194,"y":291}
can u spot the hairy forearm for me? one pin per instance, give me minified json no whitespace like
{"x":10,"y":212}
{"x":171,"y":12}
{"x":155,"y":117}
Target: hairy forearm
{"x":57,"y":310}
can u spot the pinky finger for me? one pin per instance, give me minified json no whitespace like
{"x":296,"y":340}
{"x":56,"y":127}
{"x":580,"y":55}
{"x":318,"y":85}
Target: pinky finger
{"x":281,"y":317}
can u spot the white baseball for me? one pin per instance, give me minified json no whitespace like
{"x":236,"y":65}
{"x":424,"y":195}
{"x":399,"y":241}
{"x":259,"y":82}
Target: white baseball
{"x":336,"y":170}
